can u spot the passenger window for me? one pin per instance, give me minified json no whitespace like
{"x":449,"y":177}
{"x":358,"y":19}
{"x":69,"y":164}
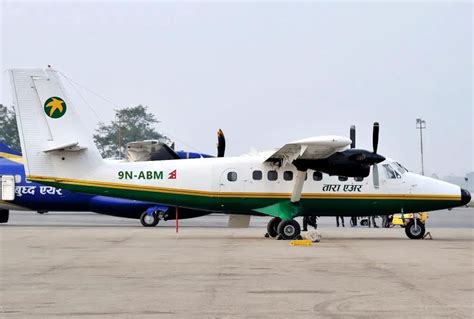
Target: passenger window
{"x":390,"y":172}
{"x":17,"y":179}
{"x":257,"y":175}
{"x":232,"y":176}
{"x":317,"y":176}
{"x":358,"y":179}
{"x":288,"y":175}
{"x":272,"y":175}
{"x":342,"y":178}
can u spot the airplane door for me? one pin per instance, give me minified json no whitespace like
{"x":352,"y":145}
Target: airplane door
{"x":8,"y":187}
{"x":231,"y":182}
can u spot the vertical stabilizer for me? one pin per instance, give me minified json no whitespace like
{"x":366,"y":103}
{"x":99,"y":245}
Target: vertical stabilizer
{"x":54,"y":140}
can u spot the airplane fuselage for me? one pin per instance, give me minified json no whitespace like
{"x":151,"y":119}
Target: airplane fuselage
{"x":244,"y":184}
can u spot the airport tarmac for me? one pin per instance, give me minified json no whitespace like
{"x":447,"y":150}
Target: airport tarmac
{"x":82,"y":265}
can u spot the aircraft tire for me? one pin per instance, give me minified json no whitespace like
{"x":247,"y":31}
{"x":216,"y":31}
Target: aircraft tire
{"x":272,"y":227}
{"x":149,"y":221}
{"x":415,"y":232}
{"x":4,"y":215}
{"x":289,"y":229}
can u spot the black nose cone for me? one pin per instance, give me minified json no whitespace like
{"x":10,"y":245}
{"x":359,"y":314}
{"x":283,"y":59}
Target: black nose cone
{"x":465,"y":197}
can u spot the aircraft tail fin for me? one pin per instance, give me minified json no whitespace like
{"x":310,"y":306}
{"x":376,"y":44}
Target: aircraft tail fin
{"x":53,"y":137}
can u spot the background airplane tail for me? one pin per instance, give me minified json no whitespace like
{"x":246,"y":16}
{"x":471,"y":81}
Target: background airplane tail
{"x":53,"y":137}
{"x":10,"y":154}
{"x":5,"y":149}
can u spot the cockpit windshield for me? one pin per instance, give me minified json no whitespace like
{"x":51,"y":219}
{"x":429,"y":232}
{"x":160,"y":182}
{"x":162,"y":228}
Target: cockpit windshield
{"x":391,"y":172}
{"x":400,"y":168}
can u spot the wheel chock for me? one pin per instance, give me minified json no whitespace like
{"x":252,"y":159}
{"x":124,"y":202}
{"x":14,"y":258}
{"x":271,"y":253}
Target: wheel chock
{"x":301,"y":242}
{"x":428,"y":236}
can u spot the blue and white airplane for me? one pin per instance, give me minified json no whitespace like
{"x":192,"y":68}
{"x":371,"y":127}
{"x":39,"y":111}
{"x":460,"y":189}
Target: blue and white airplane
{"x":16,"y":193}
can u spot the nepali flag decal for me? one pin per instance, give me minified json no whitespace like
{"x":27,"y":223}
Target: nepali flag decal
{"x":172,"y":175}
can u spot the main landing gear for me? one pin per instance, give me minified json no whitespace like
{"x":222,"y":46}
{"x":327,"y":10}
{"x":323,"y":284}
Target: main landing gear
{"x":283,"y":229}
{"x":150,"y":219}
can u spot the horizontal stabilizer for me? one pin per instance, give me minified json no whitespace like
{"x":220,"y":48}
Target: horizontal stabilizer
{"x":70,"y":147}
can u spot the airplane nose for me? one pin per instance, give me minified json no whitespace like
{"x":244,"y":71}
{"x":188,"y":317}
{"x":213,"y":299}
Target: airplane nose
{"x":465,"y":197}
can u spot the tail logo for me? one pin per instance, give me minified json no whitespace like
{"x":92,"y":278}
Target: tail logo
{"x":55,"y":107}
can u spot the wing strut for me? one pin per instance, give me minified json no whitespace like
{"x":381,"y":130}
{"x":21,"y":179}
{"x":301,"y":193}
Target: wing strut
{"x":298,"y":187}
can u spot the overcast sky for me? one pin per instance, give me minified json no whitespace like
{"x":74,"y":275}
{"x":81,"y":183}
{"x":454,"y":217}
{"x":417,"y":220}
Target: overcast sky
{"x":266,"y":73}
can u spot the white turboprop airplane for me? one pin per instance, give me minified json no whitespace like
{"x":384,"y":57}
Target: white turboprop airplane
{"x":314,"y":176}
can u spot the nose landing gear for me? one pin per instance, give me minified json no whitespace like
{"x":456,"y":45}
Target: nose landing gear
{"x":415,"y":229}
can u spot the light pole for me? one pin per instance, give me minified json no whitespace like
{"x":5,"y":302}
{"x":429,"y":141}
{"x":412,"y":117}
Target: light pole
{"x":421,"y":124}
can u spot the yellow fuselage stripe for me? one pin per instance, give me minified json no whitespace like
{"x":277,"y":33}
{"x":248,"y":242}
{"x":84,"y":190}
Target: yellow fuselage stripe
{"x":238,"y":194}
{"x":12,"y":157}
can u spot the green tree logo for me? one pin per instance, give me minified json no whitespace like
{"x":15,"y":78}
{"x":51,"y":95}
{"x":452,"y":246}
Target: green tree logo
{"x":55,"y":107}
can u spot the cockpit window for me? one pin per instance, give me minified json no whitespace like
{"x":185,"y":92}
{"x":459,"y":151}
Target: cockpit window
{"x":391,"y":173}
{"x":400,"y":168}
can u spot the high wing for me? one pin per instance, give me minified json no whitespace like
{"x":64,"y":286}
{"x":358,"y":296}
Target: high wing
{"x":313,"y":148}
{"x":309,"y":152}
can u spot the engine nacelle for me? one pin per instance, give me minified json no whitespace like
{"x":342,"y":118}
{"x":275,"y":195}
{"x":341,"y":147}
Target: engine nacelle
{"x":350,"y":163}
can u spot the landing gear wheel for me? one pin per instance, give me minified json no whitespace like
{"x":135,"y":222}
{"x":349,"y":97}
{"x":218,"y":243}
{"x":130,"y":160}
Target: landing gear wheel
{"x":289,"y":229}
{"x":4,"y":214}
{"x":415,"y":231}
{"x":149,"y":220}
{"x":272,"y":227}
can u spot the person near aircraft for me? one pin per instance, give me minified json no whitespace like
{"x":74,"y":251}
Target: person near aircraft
{"x":311,"y":221}
{"x":342,"y":220}
{"x":353,"y":221}
{"x":373,"y":221}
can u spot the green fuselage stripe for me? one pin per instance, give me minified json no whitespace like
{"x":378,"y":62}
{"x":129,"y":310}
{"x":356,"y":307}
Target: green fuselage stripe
{"x":315,"y":205}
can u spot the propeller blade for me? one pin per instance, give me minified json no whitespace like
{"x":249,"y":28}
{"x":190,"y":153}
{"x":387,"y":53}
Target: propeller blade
{"x":375,"y":137}
{"x":375,"y":174}
{"x":220,"y":143}
{"x":353,"y":136}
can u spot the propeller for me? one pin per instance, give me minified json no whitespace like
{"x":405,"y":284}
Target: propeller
{"x":375,"y":136}
{"x":353,"y":136}
{"x":375,"y":144}
{"x":220,"y":143}
{"x":367,"y":157}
